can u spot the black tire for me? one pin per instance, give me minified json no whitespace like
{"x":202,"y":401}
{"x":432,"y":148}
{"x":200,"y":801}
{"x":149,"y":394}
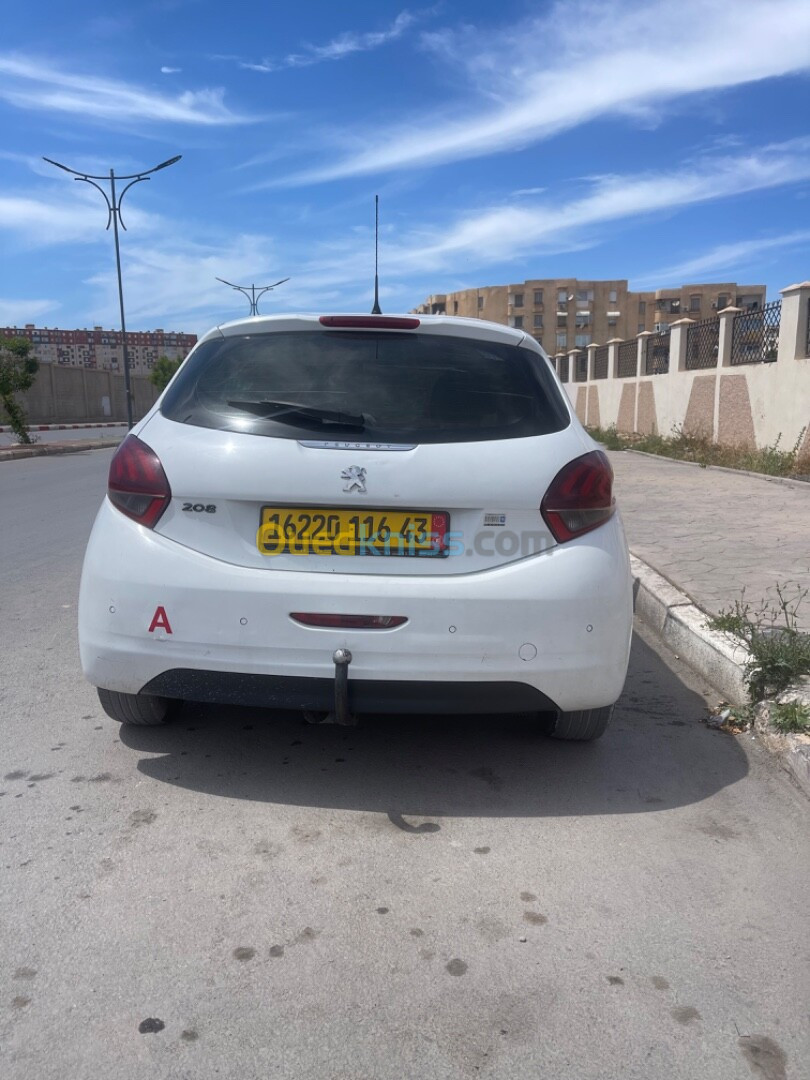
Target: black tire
{"x":138,"y":709}
{"x":584,"y":725}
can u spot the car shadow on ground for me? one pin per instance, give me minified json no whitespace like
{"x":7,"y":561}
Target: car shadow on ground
{"x":655,"y":755}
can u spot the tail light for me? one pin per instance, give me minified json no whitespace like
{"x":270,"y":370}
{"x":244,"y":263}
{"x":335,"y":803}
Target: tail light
{"x":348,"y":622}
{"x":580,"y":497}
{"x":137,"y":485}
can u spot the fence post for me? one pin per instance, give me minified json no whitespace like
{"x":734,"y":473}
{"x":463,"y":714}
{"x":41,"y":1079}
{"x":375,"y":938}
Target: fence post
{"x":794,"y":325}
{"x":591,"y":350}
{"x":724,"y":344}
{"x":726,"y":339}
{"x":613,"y":357}
{"x":641,"y":370}
{"x":641,"y":356}
{"x":678,"y":338}
{"x":573,"y":366}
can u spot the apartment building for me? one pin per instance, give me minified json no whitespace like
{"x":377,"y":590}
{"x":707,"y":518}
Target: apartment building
{"x":566,"y":313}
{"x":102,"y":349}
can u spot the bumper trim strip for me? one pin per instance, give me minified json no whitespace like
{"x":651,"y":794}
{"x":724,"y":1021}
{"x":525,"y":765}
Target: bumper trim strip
{"x":365,"y":695}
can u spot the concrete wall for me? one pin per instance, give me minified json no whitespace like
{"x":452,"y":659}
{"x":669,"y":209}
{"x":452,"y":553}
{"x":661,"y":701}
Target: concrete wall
{"x":67,"y":395}
{"x":749,"y":405}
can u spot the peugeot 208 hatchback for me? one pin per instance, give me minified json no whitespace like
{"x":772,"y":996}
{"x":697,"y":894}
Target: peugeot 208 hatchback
{"x":357,"y":514}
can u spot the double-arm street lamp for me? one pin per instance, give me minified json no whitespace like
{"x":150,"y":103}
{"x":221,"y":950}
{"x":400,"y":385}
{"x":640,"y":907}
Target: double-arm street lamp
{"x":252,"y":296}
{"x":114,"y":218}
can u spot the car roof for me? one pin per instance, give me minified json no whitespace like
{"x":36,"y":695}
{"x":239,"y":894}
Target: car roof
{"x":443,"y":325}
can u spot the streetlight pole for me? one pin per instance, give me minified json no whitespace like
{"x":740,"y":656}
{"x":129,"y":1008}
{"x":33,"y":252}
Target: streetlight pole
{"x":114,"y":218}
{"x":252,"y":296}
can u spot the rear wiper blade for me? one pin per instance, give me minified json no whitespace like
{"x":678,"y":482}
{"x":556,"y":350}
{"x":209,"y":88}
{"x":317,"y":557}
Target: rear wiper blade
{"x":270,"y":410}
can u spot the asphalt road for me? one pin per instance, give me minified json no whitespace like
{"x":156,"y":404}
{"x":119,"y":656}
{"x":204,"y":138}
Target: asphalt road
{"x":418,"y":898}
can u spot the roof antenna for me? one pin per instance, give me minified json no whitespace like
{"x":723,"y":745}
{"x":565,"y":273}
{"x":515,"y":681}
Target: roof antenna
{"x":376,"y":310}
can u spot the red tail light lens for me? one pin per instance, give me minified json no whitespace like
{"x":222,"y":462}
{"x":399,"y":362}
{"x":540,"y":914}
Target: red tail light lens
{"x":137,"y":485}
{"x":580,"y":497}
{"x":349,"y":622}
{"x":369,"y":322}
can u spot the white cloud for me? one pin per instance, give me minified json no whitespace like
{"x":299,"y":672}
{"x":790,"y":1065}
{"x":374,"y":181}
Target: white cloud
{"x":36,"y":84}
{"x":725,"y":257}
{"x":19,"y":312}
{"x":170,"y":70}
{"x":503,"y":233}
{"x":171,"y":278}
{"x":350,"y":41}
{"x":171,"y":266}
{"x":71,"y":215}
{"x":338,"y":269}
{"x":584,"y":59}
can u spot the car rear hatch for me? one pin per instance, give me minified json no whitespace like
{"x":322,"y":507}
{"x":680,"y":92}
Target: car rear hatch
{"x":297,"y":444}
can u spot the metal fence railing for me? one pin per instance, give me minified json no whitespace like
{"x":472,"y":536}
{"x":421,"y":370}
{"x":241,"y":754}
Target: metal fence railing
{"x":702,"y":344}
{"x":628,"y":359}
{"x":755,"y":335}
{"x":600,"y":362}
{"x":656,"y":358}
{"x":562,"y":368}
{"x":581,"y":367}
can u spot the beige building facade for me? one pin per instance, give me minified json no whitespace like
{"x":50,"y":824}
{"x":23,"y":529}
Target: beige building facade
{"x":102,"y":349}
{"x":566,"y":313}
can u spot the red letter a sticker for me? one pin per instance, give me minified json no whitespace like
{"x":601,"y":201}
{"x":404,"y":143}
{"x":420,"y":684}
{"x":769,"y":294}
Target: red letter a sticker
{"x":160,"y":621}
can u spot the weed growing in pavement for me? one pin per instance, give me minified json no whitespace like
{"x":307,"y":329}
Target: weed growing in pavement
{"x":769,"y":460}
{"x":793,"y":716}
{"x":780,"y":651}
{"x":609,"y":437}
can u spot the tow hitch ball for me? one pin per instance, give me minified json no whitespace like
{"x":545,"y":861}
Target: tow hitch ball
{"x":340,"y":715}
{"x":342,"y":658}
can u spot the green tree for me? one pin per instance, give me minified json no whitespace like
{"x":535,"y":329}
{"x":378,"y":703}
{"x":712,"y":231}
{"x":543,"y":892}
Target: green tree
{"x":162,"y":372}
{"x":18,"y":369}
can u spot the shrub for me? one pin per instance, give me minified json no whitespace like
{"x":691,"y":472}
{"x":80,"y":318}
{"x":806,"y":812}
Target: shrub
{"x":18,"y":369}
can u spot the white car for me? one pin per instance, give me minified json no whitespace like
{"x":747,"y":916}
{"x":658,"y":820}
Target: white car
{"x":354,"y":514}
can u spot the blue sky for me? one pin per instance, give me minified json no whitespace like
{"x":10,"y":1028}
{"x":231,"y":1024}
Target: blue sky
{"x":664,"y":142}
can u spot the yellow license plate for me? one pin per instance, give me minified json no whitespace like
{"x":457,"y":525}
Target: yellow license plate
{"x":287,"y":530}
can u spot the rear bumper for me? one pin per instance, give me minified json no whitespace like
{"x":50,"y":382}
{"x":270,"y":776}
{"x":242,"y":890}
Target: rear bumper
{"x":556,"y":625}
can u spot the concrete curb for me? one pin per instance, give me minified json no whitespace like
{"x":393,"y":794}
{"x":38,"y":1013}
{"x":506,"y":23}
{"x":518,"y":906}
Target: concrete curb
{"x":788,"y":481}
{"x":794,"y":751}
{"x":14,"y":453}
{"x":682,"y":625}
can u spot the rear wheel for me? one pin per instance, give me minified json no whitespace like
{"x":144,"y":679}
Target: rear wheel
{"x":582,"y":725}
{"x":139,"y":709}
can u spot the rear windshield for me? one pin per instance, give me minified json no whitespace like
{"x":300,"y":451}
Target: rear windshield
{"x":391,"y":387}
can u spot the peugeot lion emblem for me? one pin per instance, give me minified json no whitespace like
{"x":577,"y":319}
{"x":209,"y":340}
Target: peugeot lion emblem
{"x":355,"y":478}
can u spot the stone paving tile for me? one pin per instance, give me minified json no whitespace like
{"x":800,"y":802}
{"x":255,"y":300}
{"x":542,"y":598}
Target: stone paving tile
{"x":715,"y":533}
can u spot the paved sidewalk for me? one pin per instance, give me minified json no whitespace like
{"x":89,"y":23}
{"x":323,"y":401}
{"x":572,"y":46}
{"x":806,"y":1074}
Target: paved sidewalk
{"x":713,"y":532}
{"x":48,"y":436}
